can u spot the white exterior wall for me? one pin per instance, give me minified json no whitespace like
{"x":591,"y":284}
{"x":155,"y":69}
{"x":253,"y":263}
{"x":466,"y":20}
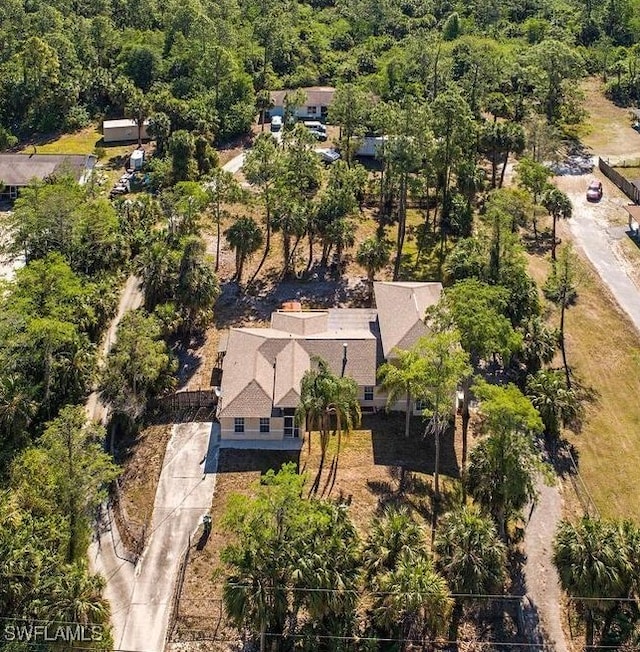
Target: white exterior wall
{"x":124,"y":134}
{"x":252,"y":429}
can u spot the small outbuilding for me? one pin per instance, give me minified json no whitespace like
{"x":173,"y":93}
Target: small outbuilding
{"x":123,"y":131}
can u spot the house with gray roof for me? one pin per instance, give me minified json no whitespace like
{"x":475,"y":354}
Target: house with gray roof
{"x":19,"y":170}
{"x":262,"y":368}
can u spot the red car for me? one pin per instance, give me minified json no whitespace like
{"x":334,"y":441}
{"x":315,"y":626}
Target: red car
{"x":594,"y":191}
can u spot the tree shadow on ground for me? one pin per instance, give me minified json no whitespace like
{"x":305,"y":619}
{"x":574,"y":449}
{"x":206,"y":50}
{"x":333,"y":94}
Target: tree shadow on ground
{"x":233,"y":460}
{"x":416,"y":453}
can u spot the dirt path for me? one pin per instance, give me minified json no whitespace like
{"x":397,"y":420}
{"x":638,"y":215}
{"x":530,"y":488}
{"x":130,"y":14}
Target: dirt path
{"x":130,"y":299}
{"x":541,"y":578}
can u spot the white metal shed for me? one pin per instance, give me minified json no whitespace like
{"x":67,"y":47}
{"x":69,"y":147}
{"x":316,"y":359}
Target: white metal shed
{"x":123,"y":130}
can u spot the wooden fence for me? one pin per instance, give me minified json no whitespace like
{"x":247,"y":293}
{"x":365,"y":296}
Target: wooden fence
{"x":625,"y":185}
{"x":132,"y":535}
{"x":195,"y":399}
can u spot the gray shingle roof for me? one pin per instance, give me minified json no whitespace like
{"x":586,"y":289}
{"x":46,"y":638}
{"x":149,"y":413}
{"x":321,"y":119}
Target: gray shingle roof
{"x":263,"y":367}
{"x":315,"y":96}
{"x":20,"y":169}
{"x":401,"y":308}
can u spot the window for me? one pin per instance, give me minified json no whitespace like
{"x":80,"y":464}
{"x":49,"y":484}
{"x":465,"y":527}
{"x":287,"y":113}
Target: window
{"x":368,"y":393}
{"x":312,"y":110}
{"x":421,"y":406}
{"x":264,"y":424}
{"x":238,"y":424}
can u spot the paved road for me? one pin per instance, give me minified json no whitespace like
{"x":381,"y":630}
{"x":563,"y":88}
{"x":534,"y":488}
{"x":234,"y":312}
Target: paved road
{"x":592,"y":231}
{"x":141,"y":597}
{"x":235,"y":164}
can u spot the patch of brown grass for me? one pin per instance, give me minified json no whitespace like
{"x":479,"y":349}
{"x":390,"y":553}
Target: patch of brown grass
{"x":603,"y":349}
{"x":142,"y":467}
{"x":368,"y":473}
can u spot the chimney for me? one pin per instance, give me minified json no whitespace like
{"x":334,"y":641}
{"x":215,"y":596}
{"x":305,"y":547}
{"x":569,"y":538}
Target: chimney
{"x":292,"y":306}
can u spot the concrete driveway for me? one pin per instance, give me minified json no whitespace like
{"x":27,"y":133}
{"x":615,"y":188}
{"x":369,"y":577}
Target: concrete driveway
{"x":141,"y":597}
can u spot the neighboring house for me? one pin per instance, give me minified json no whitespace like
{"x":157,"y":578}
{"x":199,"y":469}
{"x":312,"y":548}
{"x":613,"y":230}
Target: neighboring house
{"x":316,"y":105}
{"x":19,"y":170}
{"x":262,"y":367}
{"x":123,"y":131}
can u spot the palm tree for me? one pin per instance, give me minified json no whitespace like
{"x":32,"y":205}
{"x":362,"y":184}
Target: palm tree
{"x":374,"y":254}
{"x":559,"y":206}
{"x":402,"y":377}
{"x":327,"y":402}
{"x":414,"y":601}
{"x":560,"y":288}
{"x":157,"y":269}
{"x":502,"y":474}
{"x":443,"y":364}
{"x":592,"y":561}
{"x":76,"y":597}
{"x":197,"y":288}
{"x":557,"y":404}
{"x":290,"y":218}
{"x":17,"y":409}
{"x":393,"y":534}
{"x":470,"y":555}
{"x":245,"y":237}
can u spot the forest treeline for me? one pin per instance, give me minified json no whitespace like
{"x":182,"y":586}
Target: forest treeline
{"x":204,"y":66}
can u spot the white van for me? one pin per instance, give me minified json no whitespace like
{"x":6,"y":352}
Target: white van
{"x":314,"y":125}
{"x":276,"y":123}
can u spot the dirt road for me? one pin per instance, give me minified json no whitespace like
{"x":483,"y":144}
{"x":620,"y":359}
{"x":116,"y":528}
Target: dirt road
{"x":542,"y":584}
{"x":130,"y":299}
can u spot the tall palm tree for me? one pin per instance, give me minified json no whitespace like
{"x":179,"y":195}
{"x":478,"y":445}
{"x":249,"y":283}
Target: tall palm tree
{"x":502,"y":474}
{"x":245,"y":238}
{"x":414,"y":601}
{"x":197,"y":288}
{"x":327,"y":402}
{"x":470,"y":555}
{"x":557,"y":404}
{"x":559,"y":206}
{"x":290,"y":218}
{"x":374,"y":254}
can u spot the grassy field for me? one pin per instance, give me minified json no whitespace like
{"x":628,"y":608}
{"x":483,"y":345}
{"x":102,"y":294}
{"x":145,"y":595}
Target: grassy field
{"x":86,"y":141}
{"x":603,"y":348}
